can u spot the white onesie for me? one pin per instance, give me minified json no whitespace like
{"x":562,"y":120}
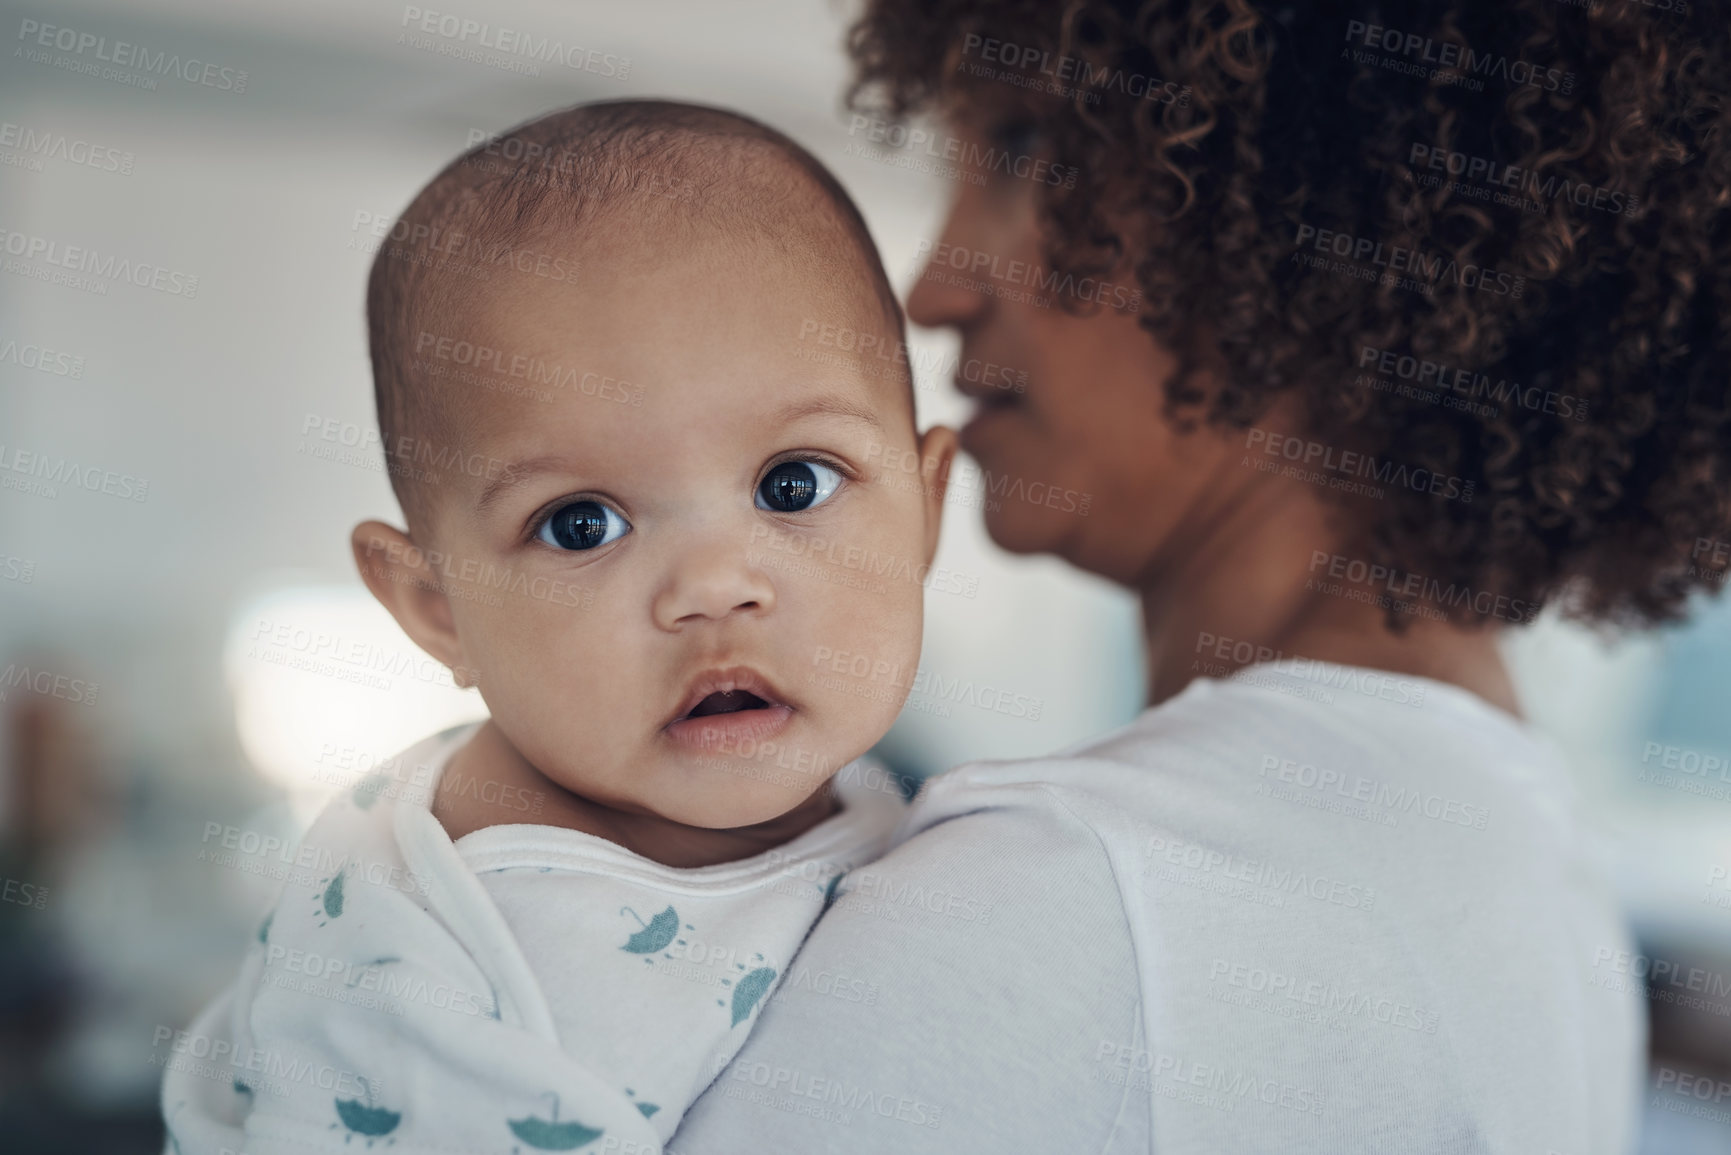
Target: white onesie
{"x":524,"y":988}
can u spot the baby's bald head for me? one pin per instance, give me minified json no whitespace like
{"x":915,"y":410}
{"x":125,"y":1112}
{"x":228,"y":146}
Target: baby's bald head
{"x":525,"y":202}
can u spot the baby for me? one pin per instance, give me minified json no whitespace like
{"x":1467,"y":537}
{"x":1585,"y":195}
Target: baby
{"x":592,"y":346}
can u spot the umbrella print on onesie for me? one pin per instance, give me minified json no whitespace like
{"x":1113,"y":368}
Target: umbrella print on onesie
{"x":662,"y":931}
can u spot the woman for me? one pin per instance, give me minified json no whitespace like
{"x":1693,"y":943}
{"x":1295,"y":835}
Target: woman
{"x":1367,"y":332}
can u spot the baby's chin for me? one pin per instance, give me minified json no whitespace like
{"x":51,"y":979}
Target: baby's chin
{"x":737,"y":796}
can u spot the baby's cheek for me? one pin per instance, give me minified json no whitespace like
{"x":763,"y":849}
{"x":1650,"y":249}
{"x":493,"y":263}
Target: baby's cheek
{"x":864,"y":658}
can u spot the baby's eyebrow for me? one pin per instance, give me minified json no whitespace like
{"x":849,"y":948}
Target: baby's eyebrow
{"x":515,"y":474}
{"x":827,"y":404}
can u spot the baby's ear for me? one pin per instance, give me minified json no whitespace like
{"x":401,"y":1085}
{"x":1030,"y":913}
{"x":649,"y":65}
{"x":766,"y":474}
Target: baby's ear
{"x":937,"y":453}
{"x":405,"y":580}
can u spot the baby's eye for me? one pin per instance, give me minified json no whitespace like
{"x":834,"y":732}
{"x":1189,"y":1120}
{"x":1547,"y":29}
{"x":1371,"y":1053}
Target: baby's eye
{"x":582,"y":525}
{"x":796,"y":485}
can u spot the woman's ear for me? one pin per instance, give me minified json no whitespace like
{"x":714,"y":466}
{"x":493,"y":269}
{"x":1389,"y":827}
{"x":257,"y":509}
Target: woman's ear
{"x":937,"y":453}
{"x":405,"y":579}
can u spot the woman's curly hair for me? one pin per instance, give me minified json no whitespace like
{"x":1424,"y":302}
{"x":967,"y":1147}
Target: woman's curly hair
{"x":1575,"y":325}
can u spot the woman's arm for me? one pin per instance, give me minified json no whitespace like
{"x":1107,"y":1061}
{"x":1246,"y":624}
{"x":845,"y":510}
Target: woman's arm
{"x":968,"y":992}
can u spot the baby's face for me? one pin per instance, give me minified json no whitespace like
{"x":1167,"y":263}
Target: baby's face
{"x":676,"y":489}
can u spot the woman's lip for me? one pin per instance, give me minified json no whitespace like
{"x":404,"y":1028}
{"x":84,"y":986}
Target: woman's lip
{"x":712,"y":731}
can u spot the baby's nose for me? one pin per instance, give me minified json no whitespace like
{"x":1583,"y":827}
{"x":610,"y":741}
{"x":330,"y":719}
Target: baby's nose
{"x":711,"y":582}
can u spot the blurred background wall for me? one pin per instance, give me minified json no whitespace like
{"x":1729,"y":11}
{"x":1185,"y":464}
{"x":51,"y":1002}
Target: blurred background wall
{"x":153,"y":730}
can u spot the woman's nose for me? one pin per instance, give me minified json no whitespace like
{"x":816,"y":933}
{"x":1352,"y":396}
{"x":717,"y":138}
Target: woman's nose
{"x":943,"y":296}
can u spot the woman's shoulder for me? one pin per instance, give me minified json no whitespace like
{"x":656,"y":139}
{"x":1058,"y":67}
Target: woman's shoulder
{"x":1241,"y":761}
{"x":1180,"y":744}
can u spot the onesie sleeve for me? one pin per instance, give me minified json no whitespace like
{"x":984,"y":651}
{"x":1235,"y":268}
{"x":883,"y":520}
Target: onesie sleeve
{"x":207,"y":1089}
{"x":968,"y":992}
{"x":379,"y":1010}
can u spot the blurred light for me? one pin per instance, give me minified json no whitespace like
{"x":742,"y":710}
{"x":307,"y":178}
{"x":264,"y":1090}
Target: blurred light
{"x":326,"y":686}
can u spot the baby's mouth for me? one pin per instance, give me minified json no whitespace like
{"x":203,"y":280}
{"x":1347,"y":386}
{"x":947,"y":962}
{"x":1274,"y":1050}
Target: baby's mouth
{"x":722,"y":693}
{"x":730,"y":709}
{"x":727,"y":702}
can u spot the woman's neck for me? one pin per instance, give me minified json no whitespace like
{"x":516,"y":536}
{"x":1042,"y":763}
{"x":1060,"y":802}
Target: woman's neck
{"x":1262,"y":577}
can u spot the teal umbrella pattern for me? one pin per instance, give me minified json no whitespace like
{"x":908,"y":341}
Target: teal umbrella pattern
{"x":553,"y":1134}
{"x":656,"y":933}
{"x":749,"y":991}
{"x":366,"y":1120}
{"x":833,"y":891}
{"x":329,"y":903}
{"x":368,"y":789}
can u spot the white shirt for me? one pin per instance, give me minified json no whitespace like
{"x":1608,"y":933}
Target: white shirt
{"x":1309,"y":908}
{"x":527,"y":987}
